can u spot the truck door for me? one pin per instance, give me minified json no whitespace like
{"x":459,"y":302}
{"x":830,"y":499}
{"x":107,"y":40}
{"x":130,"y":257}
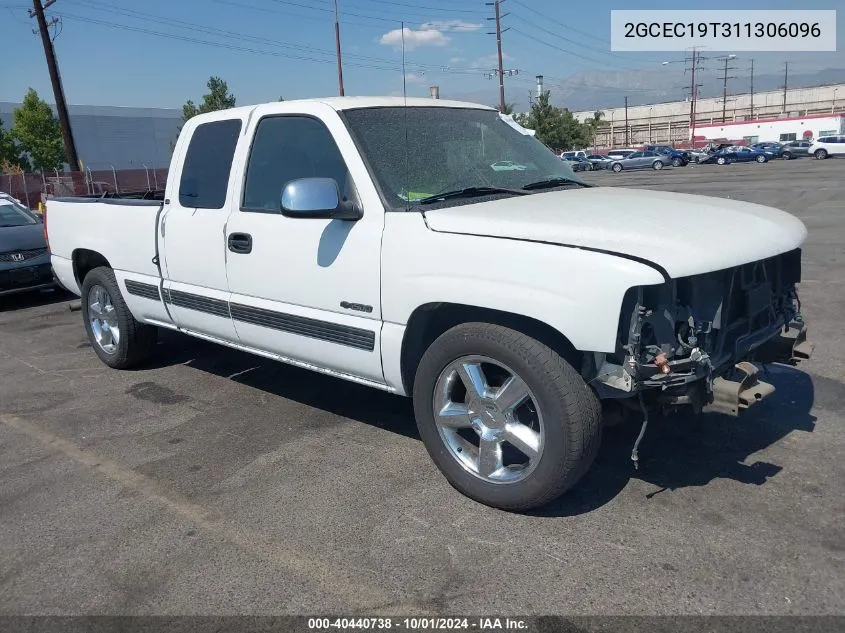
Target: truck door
{"x":306,"y":289}
{"x":192,"y":230}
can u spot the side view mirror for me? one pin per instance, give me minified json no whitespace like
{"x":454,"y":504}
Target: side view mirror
{"x":316,"y":198}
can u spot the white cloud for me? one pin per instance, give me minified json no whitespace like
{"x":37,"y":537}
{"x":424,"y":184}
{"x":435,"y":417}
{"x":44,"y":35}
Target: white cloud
{"x":414,"y":39}
{"x":450,"y":25}
{"x":415,"y":78}
{"x":456,"y":60}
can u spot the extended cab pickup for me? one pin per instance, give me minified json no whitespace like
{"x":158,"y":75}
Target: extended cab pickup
{"x":371,"y":239}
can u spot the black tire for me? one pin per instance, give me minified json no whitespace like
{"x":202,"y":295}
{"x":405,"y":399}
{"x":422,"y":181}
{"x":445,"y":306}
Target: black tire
{"x":657,"y":165}
{"x":677,"y":162}
{"x":571,"y":412}
{"x":786,"y":156}
{"x":820,"y":154}
{"x":721,"y":160}
{"x":761,"y":159}
{"x":616,"y":167}
{"x":137,"y":340}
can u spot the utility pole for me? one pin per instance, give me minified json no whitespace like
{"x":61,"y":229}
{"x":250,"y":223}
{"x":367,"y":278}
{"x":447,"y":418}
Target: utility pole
{"x":337,"y":48}
{"x":725,"y":85}
{"x":752,"y":89}
{"x":785,"y":79}
{"x":693,"y":92}
{"x":627,"y":140}
{"x":37,"y":11}
{"x":501,"y":73}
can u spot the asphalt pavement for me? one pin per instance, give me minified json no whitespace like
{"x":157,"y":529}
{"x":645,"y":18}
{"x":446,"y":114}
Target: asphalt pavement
{"x":215,"y":482}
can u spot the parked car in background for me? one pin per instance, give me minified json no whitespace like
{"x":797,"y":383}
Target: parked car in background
{"x":703,"y":154}
{"x":828,"y":146}
{"x":770,"y":148}
{"x":24,"y":257}
{"x":795,"y":149}
{"x":599,"y":161}
{"x":736,"y":154}
{"x":640,"y":160}
{"x":574,"y":154}
{"x":620,"y":153}
{"x":678,"y":158}
{"x":577,"y":163}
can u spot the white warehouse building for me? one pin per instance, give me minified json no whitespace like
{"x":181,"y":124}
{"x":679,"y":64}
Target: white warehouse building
{"x":670,"y":122}
{"x":781,"y":129}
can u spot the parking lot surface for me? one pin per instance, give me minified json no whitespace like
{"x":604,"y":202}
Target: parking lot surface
{"x":214,"y":482}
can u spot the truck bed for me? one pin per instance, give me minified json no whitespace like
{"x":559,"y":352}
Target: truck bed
{"x":122,"y":230}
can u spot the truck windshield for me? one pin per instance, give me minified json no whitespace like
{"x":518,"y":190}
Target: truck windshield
{"x":416,"y":153}
{"x":13,"y":214}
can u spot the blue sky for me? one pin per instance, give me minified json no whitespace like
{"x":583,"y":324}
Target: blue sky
{"x":159,"y":53}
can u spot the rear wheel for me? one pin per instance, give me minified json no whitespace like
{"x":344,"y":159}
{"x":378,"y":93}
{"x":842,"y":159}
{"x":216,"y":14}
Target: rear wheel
{"x":658,"y":165}
{"x":118,"y":339}
{"x":506,"y":419}
{"x":617,"y":167}
{"x":786,"y":156}
{"x":820,"y":154}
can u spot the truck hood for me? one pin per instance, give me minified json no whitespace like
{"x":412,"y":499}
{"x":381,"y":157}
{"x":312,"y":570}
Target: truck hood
{"x":21,"y":238}
{"x":681,"y":233}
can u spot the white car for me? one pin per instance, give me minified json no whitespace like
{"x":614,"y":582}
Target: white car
{"x":828,"y":146}
{"x":513,"y":306}
{"x":574,"y":154}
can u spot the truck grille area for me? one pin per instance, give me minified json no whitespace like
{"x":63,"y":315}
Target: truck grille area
{"x":720,"y":317}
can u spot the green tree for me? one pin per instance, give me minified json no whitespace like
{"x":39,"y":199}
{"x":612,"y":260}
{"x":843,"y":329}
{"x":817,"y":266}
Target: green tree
{"x":218,"y":98}
{"x":11,"y":155}
{"x":38,"y":134}
{"x":557,"y":127}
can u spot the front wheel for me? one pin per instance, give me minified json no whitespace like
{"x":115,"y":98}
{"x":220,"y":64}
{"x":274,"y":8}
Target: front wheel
{"x":761,"y":159}
{"x":677,"y":162}
{"x":721,"y":160}
{"x":118,"y":339}
{"x":617,"y":168}
{"x":505,"y":418}
{"x":786,"y":156}
{"x":658,"y":165}
{"x":820,"y":154}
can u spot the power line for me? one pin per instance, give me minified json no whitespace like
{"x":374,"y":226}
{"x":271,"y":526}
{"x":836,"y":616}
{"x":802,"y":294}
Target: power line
{"x":567,"y":52}
{"x":574,"y":30}
{"x":415,"y":6}
{"x":100,"y":6}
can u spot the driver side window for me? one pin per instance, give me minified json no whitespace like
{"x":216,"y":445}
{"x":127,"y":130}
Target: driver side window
{"x":287,"y":148}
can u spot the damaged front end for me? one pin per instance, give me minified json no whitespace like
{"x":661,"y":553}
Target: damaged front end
{"x":693,"y":340}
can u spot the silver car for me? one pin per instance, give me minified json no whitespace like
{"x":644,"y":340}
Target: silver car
{"x":640,"y":160}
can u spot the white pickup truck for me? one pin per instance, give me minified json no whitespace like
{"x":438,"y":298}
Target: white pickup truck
{"x":373,"y":239}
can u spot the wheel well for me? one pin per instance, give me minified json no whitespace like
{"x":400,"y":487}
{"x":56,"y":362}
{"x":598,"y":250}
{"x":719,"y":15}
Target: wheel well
{"x":84,"y":261}
{"x":429,"y":321}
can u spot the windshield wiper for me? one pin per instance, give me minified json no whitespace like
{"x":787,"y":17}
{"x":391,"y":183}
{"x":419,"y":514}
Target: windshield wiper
{"x":553,"y":182}
{"x":469,"y":192}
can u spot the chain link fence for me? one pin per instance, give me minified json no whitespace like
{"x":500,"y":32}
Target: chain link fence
{"x":95,"y":180}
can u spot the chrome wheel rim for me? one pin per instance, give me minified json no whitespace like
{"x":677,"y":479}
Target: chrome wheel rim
{"x":103,"y":319}
{"x":488,"y":419}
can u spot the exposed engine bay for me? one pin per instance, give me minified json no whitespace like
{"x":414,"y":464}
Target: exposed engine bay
{"x":693,"y":340}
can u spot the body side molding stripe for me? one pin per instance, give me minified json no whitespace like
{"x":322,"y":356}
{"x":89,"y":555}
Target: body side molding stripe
{"x":140,"y":289}
{"x":328,"y":331}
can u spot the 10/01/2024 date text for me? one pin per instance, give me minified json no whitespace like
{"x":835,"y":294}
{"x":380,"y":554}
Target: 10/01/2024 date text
{"x":417,"y":624}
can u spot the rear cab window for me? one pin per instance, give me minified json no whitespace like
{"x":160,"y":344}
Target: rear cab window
{"x":208,"y":164}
